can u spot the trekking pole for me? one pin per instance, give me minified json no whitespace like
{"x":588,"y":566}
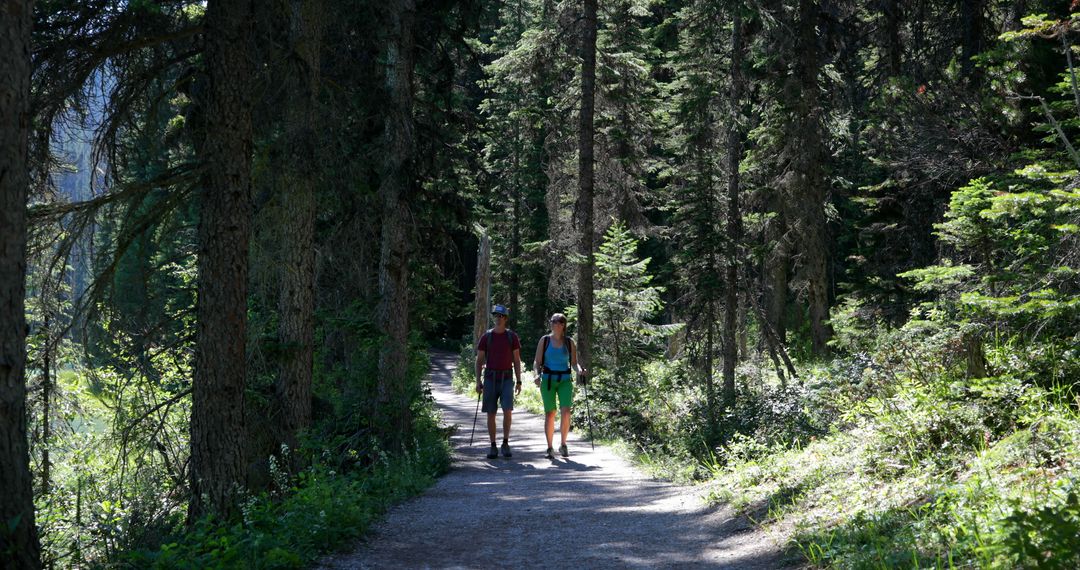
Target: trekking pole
{"x":475,"y":415}
{"x":588,"y":415}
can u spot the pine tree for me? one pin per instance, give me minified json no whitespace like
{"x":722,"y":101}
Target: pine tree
{"x":397,"y":186}
{"x":297,"y":299}
{"x":516,"y":113}
{"x":695,"y":107}
{"x":584,"y":209}
{"x":217,"y":416}
{"x":625,"y":123}
{"x":734,"y":213}
{"x":19,"y":547}
{"x":625,"y":302}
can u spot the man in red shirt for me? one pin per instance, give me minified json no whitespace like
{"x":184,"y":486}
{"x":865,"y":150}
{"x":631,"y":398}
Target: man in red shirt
{"x":498,"y":350}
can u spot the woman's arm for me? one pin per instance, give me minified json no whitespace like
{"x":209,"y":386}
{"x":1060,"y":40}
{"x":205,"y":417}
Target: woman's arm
{"x":573,"y":360}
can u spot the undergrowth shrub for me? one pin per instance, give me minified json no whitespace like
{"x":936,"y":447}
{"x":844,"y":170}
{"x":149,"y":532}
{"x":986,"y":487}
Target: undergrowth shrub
{"x":1045,"y":537}
{"x":309,"y":513}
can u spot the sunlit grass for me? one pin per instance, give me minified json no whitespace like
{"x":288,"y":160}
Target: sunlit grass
{"x":842,"y":505}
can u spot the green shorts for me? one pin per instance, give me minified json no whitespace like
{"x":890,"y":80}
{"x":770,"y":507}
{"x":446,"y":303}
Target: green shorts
{"x":563,"y":388}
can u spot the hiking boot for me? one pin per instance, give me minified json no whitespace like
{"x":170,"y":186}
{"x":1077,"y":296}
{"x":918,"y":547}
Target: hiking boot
{"x":563,"y":452}
{"x":506,"y":450}
{"x":494,"y":452}
{"x":550,"y":453}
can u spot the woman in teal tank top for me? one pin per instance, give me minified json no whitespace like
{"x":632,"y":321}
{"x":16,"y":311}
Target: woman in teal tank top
{"x":556,"y":356}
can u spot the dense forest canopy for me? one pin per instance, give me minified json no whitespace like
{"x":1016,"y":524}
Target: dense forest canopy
{"x":233,"y":229}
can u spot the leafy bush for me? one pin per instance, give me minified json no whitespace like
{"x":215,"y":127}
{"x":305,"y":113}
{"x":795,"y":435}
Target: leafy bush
{"x":320,"y":509}
{"x":1045,"y":537}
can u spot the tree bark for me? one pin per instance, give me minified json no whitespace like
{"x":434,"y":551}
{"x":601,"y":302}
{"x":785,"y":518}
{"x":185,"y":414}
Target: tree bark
{"x":395,"y":191}
{"x":515,"y":239}
{"x":806,"y":179}
{"x":297,"y":300}
{"x":584,"y":213}
{"x":776,"y":274}
{"x":46,"y":398}
{"x":971,"y":41}
{"x":1017,"y":9}
{"x":19,"y":548}
{"x":891,"y":11}
{"x":734,"y":215}
{"x":710,"y":390}
{"x":217,"y":413}
{"x":482,"y":305}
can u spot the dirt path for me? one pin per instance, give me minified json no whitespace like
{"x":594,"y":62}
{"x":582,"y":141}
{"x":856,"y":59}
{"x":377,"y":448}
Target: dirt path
{"x":593,"y":510}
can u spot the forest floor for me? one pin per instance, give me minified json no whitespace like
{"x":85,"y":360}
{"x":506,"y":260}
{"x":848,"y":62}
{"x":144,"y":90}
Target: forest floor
{"x":591,"y":510}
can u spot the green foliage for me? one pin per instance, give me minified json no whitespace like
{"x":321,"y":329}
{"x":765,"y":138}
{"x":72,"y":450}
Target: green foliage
{"x":913,"y":463}
{"x":1045,"y":537}
{"x":1016,"y":256}
{"x":319,"y":509}
{"x":625,"y":301}
{"x":108,"y":493}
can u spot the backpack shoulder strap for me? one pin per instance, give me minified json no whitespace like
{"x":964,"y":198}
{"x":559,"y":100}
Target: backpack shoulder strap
{"x":543,"y":353}
{"x":569,"y":342}
{"x":487,"y":347}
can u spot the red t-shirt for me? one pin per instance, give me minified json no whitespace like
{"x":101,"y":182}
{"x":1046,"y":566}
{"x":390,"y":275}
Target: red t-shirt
{"x":500,"y":353}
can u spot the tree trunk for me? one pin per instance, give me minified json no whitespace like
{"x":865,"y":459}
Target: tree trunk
{"x":974,"y":355}
{"x":19,"y":548}
{"x":734,"y":216}
{"x":1017,"y":9}
{"x":515,"y":240}
{"x":776,"y":274}
{"x":217,"y":412}
{"x":710,"y":390}
{"x":971,"y":41}
{"x":46,"y":398}
{"x":395,"y":192}
{"x":806,"y":180}
{"x":482,"y":306}
{"x":297,"y":300}
{"x":584,"y":211}
{"x":893,"y":48}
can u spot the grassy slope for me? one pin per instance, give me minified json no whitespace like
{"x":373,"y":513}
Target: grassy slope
{"x":891,"y":494}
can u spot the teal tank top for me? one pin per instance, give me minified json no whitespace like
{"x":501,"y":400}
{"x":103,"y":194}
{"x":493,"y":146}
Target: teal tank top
{"x":557,"y":358}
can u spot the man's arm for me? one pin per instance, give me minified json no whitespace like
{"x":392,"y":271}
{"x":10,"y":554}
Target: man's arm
{"x":481,"y":357}
{"x":517,"y":368}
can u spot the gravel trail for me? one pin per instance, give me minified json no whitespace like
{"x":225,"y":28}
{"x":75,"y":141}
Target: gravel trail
{"x":591,"y":510}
